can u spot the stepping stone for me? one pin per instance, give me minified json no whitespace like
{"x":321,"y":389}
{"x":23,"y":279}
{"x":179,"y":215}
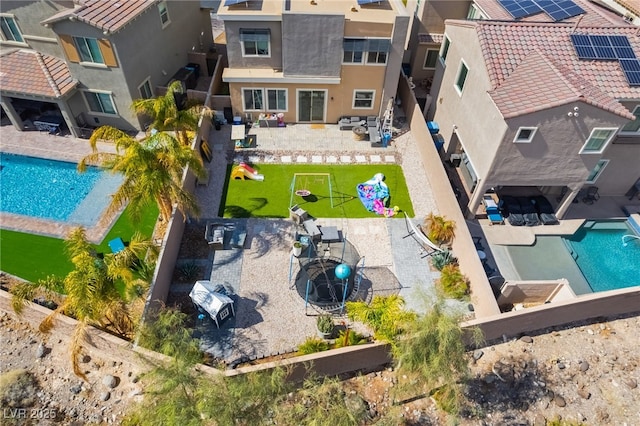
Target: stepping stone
{"x":345,"y":158}
{"x":389,"y":159}
{"x":269,"y":158}
{"x":361,"y":159}
{"x":301,"y":159}
{"x":375,"y":158}
{"x":316,"y":159}
{"x":286,"y":158}
{"x":254,"y":159}
{"x":332,"y":159}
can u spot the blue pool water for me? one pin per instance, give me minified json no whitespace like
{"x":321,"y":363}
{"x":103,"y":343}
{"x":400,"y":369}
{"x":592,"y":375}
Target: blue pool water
{"x":599,"y":252}
{"x":49,"y":189}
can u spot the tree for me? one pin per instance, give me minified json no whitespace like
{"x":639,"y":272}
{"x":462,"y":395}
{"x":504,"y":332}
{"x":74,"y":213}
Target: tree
{"x":433,"y":350}
{"x":89,"y":292}
{"x":167,"y":114}
{"x":152,"y":170}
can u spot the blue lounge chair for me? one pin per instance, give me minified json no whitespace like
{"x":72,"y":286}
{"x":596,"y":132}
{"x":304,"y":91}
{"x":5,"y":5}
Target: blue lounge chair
{"x":116,"y":245}
{"x":493,"y":213}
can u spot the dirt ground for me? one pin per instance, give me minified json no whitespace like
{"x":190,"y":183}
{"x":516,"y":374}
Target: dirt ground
{"x":588,"y":373}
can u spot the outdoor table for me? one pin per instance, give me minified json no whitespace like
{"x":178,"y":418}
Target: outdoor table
{"x":329,"y":234}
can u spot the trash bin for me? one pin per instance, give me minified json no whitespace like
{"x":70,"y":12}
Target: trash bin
{"x":438,"y":140}
{"x":195,"y":68}
{"x":433,"y":127}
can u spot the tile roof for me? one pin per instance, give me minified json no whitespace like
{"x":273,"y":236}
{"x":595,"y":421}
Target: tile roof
{"x":34,"y":73}
{"x":517,"y":54}
{"x":107,"y":15}
{"x":430,"y":38}
{"x":631,"y":5}
{"x":595,"y":15}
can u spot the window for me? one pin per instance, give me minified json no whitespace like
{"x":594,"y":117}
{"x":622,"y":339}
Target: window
{"x":462,"y":76}
{"x":430,"y":59}
{"x":633,"y":127}
{"x":164,"y":14}
{"x":353,"y":50}
{"x":145,"y":90}
{"x":255,"y":42}
{"x":253,"y":99}
{"x":444,"y":50}
{"x":378,"y":50}
{"x":100,"y":102}
{"x":363,"y":99}
{"x":525,"y":134}
{"x":474,"y":13}
{"x":88,"y":50}
{"x":10,"y":29}
{"x":597,"y":171}
{"x":598,"y":141}
{"x":277,"y":99}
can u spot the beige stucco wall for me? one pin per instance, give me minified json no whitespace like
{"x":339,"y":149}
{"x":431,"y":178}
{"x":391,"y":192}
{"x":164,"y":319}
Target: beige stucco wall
{"x":367,"y":29}
{"x":234,"y":46}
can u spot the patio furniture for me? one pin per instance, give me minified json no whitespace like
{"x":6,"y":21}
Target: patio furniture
{"x":116,"y":245}
{"x":312,"y":229}
{"x":510,"y":208}
{"x":214,"y":234}
{"x":545,"y":210}
{"x":529,"y":211}
{"x":591,"y":196}
{"x":491,"y":208}
{"x":298,"y":215}
{"x":330,"y":234}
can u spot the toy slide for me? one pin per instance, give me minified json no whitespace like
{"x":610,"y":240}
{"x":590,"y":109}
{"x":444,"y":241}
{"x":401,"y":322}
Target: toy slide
{"x":243,"y":171}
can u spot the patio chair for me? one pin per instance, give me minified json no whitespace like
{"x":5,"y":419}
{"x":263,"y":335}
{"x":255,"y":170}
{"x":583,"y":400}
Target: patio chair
{"x":591,"y":196}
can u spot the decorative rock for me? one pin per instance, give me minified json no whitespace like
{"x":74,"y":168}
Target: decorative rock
{"x":41,"y":350}
{"x":526,"y":339}
{"x":477,"y":354}
{"x":584,"y":393}
{"x":560,"y":402}
{"x":85,"y":359}
{"x":584,"y":366}
{"x":631,"y":383}
{"x":110,"y":381}
{"x":561,"y":366}
{"x":76,"y":389}
{"x":104,"y":396}
{"x":539,"y":420}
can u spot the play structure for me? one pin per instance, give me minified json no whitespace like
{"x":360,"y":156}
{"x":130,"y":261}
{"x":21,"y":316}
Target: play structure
{"x":244,"y":171}
{"x":330,"y":271}
{"x":304,"y":184}
{"x":208,"y":298}
{"x":374,"y":195}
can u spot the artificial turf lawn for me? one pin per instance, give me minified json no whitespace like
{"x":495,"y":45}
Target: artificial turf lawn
{"x":34,"y":257}
{"x":270,"y":198}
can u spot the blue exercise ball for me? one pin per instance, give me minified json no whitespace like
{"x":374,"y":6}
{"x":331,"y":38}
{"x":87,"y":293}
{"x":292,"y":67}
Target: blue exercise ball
{"x":343,"y":271}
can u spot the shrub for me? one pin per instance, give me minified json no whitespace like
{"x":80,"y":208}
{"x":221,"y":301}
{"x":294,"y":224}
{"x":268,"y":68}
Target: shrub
{"x":443,"y":258}
{"x":312,"y":345}
{"x":189,"y":272}
{"x":454,"y":283}
{"x":349,"y":337}
{"x":440,"y":229}
{"x":325,"y":324}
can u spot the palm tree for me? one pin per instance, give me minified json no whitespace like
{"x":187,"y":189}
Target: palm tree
{"x":152,"y":170}
{"x":89,"y":293}
{"x":439,"y":228}
{"x":168,"y":116}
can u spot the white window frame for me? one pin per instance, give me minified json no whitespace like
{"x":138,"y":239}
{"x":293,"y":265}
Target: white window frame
{"x":387,"y":53}
{"x":253,"y":89}
{"x":458,"y":75}
{"x":475,"y":13}
{"x":598,"y":173}
{"x":373,"y":98}
{"x":102,"y":92}
{"x":426,"y":57}
{"x":7,"y":16}
{"x":163,"y":5}
{"x":636,"y":112}
{"x":363,"y":52}
{"x":79,"y":39}
{"x":257,"y":55}
{"x":286,"y":99}
{"x":517,"y":139}
{"x":613,"y":131}
{"x":444,"y":49}
{"x":146,"y":82}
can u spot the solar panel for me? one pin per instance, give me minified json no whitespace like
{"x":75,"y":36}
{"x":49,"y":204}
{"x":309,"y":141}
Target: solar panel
{"x":603,"y":47}
{"x":631,"y":68}
{"x":520,"y":8}
{"x":560,"y":9}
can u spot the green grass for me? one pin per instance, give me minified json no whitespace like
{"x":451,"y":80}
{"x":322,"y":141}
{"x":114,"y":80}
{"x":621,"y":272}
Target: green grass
{"x":34,"y":257}
{"x":270,"y":198}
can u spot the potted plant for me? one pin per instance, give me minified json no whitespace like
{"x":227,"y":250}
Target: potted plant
{"x":297,"y":248}
{"x":325,"y":326}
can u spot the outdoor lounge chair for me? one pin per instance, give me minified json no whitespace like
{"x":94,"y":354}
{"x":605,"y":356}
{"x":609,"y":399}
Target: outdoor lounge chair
{"x":545,"y":210}
{"x":510,"y":208}
{"x":529,"y":211}
{"x":491,"y":208}
{"x":591,"y":196}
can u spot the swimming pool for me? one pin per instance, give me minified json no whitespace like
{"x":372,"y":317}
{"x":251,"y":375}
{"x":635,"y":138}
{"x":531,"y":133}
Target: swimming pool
{"x":592,"y":259}
{"x":54,"y":190}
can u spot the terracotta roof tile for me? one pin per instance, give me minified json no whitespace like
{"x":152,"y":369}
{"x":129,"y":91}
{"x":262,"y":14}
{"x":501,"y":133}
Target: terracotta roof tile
{"x":33,"y":73}
{"x":595,"y":15}
{"x":107,"y":15}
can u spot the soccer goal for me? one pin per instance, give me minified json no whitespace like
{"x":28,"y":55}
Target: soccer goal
{"x":306,"y":185}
